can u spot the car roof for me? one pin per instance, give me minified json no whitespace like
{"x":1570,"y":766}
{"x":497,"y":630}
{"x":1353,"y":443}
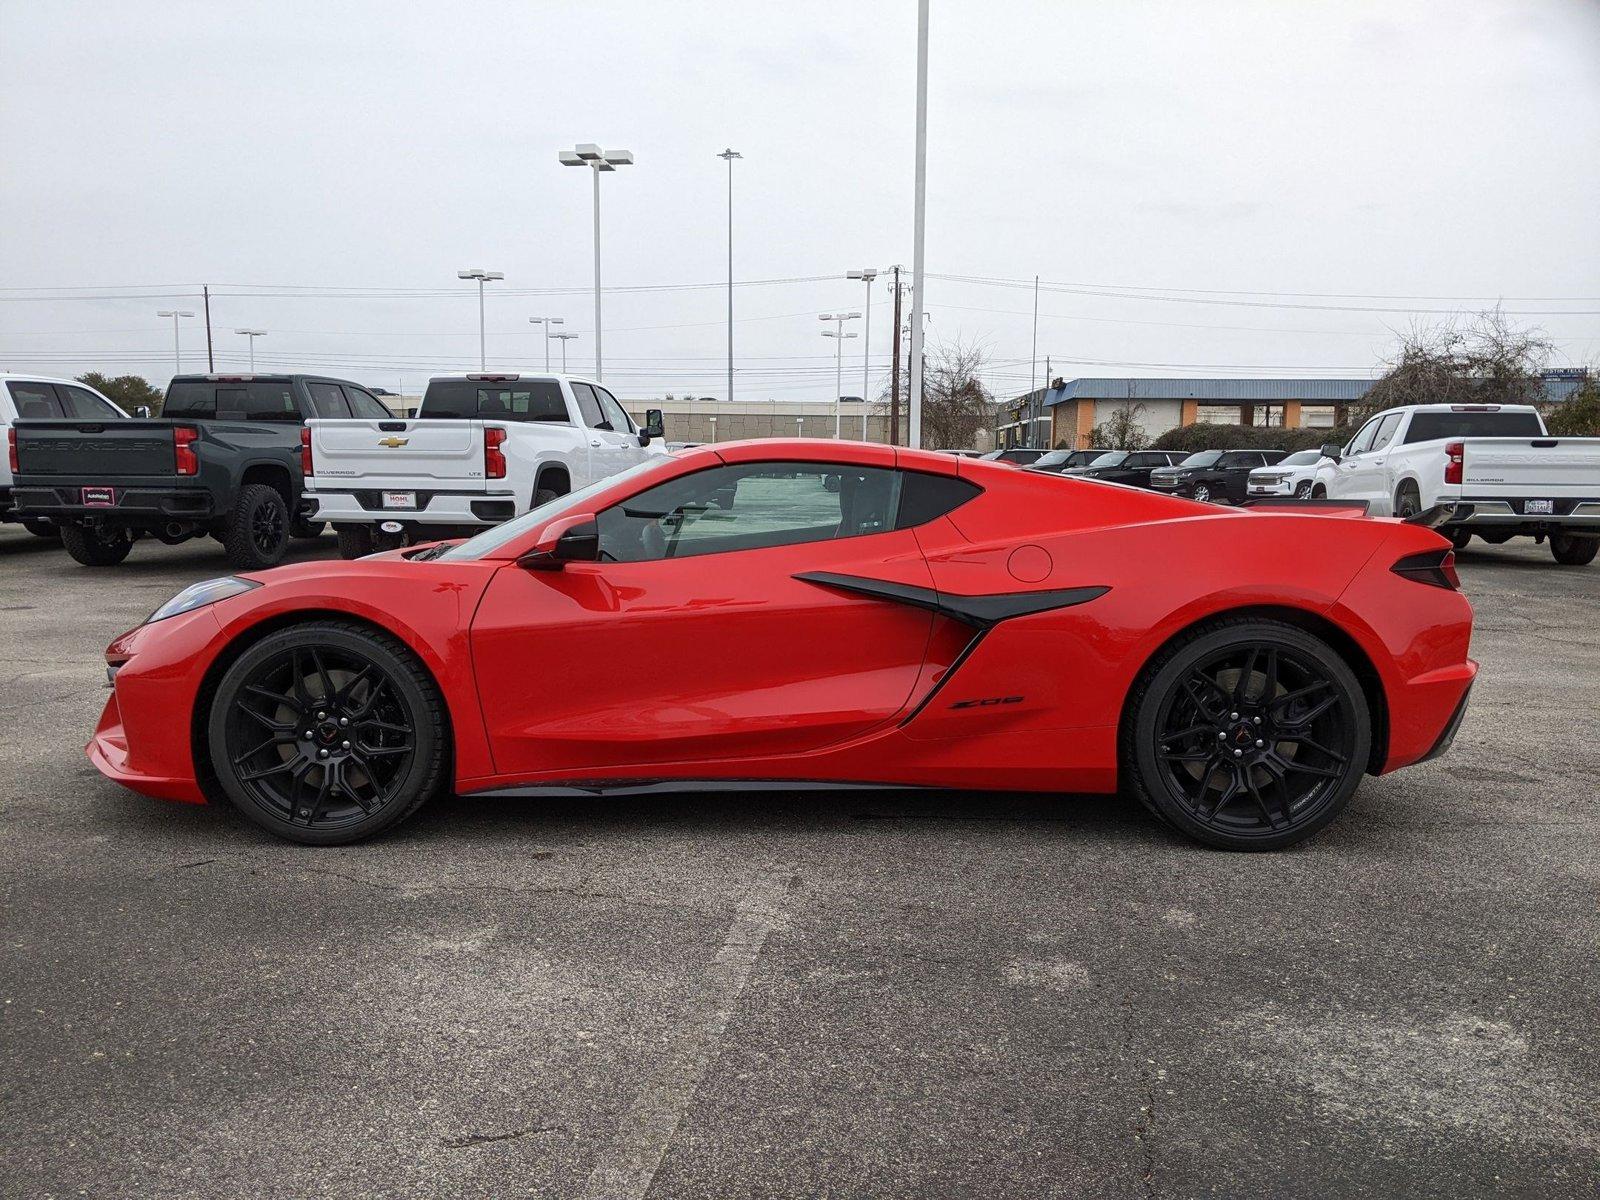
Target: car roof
{"x":509,"y":376}
{"x":30,"y":377}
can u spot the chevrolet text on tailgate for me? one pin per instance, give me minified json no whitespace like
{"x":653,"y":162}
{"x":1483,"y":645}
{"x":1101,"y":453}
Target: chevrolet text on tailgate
{"x":222,"y":461}
{"x":1495,"y":465}
{"x":483,"y":448}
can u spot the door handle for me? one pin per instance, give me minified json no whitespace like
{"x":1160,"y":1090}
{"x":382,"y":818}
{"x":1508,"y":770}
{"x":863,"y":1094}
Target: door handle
{"x":594,"y":443}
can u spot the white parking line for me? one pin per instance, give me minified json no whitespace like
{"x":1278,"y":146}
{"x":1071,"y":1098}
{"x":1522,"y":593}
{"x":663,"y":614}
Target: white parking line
{"x":629,"y":1163}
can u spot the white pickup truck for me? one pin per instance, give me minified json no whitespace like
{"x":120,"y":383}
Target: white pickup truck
{"x":1495,"y":463}
{"x":483,"y":448}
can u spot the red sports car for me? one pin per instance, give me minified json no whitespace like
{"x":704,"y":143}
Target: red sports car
{"x":797,"y":612}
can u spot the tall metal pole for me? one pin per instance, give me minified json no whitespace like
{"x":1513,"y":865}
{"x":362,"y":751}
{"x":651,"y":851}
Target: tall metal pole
{"x":483,"y":357}
{"x":729,"y":155}
{"x":597,"y":373}
{"x":866,"y":366}
{"x":177,"y":358}
{"x":894,"y":369}
{"x":211,"y":362}
{"x":1033,"y":364}
{"x":914,"y":438}
{"x":838,"y":379}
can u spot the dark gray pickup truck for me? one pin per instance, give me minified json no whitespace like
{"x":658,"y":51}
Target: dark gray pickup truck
{"x":223,"y":459}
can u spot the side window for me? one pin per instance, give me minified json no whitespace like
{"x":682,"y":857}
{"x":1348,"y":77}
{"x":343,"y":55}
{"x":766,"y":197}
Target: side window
{"x":81,"y":402}
{"x":365,"y":405}
{"x":194,"y":398}
{"x":1236,"y":459}
{"x":614,"y":412}
{"x":750,"y":506}
{"x":924,"y":498}
{"x":589,"y":406}
{"x":1385,"y":431}
{"x":537,"y":400}
{"x":1147,"y":460}
{"x":35,"y":400}
{"x":327,"y":400}
{"x":1362,"y":442}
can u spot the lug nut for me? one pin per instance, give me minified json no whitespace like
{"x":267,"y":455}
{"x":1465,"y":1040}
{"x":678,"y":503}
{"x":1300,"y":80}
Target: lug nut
{"x":1238,"y":753}
{"x":1220,"y":735}
{"x":305,"y":812}
{"x":346,"y":745}
{"x":321,"y":716}
{"x":1259,"y":743}
{"x":311,"y":733}
{"x":1233,"y":716}
{"x":346,"y":720}
{"x":322,"y":754}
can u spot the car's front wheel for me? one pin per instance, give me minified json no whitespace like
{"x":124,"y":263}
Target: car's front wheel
{"x":1303,"y":492}
{"x":257,"y":532}
{"x":1572,"y":551}
{"x":327,"y":733}
{"x":1249,"y":735}
{"x":1202,"y":493}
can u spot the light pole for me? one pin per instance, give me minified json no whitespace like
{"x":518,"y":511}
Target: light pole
{"x":587,"y":154}
{"x":713,"y":421}
{"x":546,"y":322}
{"x":868,"y":274}
{"x":563,"y":338}
{"x":920,"y":205}
{"x":252,"y":334}
{"x":799,"y":426}
{"x":482,"y":277}
{"x":175,"y":313}
{"x":838,"y":332}
{"x":728,"y":156}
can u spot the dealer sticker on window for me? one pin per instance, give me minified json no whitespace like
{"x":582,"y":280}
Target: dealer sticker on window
{"x":1538,"y":506}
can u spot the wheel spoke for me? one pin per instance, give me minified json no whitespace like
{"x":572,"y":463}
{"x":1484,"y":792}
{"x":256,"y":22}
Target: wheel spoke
{"x":270,"y":722}
{"x":370,"y":751}
{"x":277,"y":768}
{"x":1319,"y":748}
{"x":1241,"y":687}
{"x":1294,"y":766}
{"x":342,"y":697}
{"x":282,"y":738}
{"x":322,"y":672}
{"x":1310,"y":689}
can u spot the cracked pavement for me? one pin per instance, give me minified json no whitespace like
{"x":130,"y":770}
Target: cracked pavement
{"x":804,"y":995}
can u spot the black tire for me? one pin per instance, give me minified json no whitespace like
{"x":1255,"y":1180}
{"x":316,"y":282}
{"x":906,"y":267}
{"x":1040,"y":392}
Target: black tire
{"x":327,"y":733}
{"x":1223,"y":727}
{"x":97,"y":547}
{"x":257,"y":533}
{"x":1318,"y":492}
{"x":48,"y":530}
{"x":1303,"y":492}
{"x":1572,"y":551}
{"x":307,"y":530}
{"x":1459,"y":536}
{"x":355,"y":541}
{"x":542,"y":496}
{"x":1407,"y":501}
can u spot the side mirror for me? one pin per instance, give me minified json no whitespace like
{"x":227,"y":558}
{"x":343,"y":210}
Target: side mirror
{"x":654,"y":426}
{"x":566,"y":539}
{"x":142,"y":411}
{"x":1333,"y":450}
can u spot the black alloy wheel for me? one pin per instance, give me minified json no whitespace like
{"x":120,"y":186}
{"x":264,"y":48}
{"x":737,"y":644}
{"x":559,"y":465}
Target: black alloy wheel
{"x":1253,"y":734}
{"x":96,"y":545}
{"x":327,"y":733}
{"x":1407,"y":503}
{"x":256,"y":534}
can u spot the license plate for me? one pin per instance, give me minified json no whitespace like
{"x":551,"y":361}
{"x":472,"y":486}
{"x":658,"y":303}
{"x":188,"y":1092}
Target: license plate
{"x":1539,"y":506}
{"x":399,"y":499}
{"x":99,"y":497}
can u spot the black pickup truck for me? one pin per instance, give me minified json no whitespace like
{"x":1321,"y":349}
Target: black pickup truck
{"x":223,"y":459}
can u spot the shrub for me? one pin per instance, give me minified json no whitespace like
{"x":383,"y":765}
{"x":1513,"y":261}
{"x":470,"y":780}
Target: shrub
{"x":1190,"y":438}
{"x":1579,"y":414}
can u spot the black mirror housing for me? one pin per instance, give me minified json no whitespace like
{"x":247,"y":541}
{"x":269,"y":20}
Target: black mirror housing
{"x":654,"y":425}
{"x":1333,"y":451}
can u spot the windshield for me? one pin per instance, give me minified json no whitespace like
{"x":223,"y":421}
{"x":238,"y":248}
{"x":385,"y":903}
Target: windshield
{"x":1205,"y":458}
{"x":491,"y":540}
{"x":1110,"y":458}
{"x":1300,"y":458}
{"x":1055,"y":458}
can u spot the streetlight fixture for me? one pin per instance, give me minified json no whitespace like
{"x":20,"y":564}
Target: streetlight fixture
{"x":563,"y":338}
{"x":728,"y":156}
{"x":252,"y":334}
{"x":838,"y":332}
{"x":482,"y":277}
{"x":587,"y":154}
{"x":799,"y":425}
{"x":547,"y":322}
{"x":175,"y":313}
{"x":868,"y":274}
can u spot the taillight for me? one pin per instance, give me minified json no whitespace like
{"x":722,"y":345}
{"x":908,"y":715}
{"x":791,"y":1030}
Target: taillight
{"x":11,"y":449}
{"x":1437,"y":568}
{"x":183,"y":439}
{"x":305,"y":451}
{"x":1454,"y":457}
{"x":494,"y":459}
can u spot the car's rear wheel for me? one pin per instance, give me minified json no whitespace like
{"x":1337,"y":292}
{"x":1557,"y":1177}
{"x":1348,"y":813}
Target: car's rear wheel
{"x":307,"y":530}
{"x":1407,"y":501}
{"x":355,"y":541}
{"x":48,"y":530}
{"x":327,"y":733}
{"x":1460,"y":536}
{"x":1202,"y":493}
{"x":96,"y":546}
{"x":1572,"y":551}
{"x":1249,"y":735}
{"x":257,"y":531}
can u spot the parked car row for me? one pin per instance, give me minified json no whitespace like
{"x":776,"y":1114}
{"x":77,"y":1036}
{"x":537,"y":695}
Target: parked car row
{"x":256,"y":460}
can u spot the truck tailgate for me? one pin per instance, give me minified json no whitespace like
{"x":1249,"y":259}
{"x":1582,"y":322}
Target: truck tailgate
{"x":396,"y":454}
{"x":1554,"y":467}
{"x":95,"y":449}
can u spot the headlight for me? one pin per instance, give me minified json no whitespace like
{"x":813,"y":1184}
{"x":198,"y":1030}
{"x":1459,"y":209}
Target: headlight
{"x":199,"y":595}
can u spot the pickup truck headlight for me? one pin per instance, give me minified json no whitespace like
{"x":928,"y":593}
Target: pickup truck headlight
{"x":198,"y":595}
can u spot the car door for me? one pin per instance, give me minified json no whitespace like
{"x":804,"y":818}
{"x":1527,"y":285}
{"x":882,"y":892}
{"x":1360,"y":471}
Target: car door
{"x":619,"y":420}
{"x":692,"y":639}
{"x":1361,"y":473}
{"x":609,"y":451}
{"x":1140,"y":464}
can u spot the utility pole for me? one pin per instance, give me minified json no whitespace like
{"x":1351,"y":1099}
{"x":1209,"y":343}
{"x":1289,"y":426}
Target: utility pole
{"x":920,"y":205}
{"x":211,"y":362}
{"x":894,"y":369}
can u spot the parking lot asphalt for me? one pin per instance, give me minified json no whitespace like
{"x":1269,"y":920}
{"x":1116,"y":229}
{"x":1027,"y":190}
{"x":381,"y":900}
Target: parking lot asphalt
{"x":874,"y":994}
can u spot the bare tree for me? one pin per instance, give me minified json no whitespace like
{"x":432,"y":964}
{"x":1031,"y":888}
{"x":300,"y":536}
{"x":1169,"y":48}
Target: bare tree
{"x":955,"y":404}
{"x":1123,"y":429}
{"x":1488,"y":360}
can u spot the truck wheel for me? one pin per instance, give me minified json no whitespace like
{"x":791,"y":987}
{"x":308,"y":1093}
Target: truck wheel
{"x":542,"y":496}
{"x":1303,"y":492}
{"x":1407,"y":502}
{"x":355,"y":541}
{"x":307,"y":530}
{"x":258,"y":530}
{"x":48,"y":530}
{"x":1459,"y":536}
{"x":96,"y":547}
{"x":1572,"y":551}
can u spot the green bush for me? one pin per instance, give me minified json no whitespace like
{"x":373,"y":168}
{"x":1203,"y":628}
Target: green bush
{"x":1578,"y":415}
{"x":1190,"y":438}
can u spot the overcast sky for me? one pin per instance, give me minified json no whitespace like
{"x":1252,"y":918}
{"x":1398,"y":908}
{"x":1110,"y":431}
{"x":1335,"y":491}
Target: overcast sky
{"x":1353,"y":160}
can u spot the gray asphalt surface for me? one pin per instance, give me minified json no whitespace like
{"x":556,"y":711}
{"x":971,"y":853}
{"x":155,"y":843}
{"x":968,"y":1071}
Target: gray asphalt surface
{"x":810,"y":995}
